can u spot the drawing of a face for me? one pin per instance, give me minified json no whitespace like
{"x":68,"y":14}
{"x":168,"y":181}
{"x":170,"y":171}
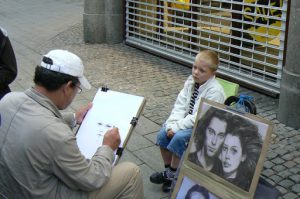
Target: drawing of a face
{"x":197,"y":195}
{"x":231,"y":155}
{"x":215,"y":134}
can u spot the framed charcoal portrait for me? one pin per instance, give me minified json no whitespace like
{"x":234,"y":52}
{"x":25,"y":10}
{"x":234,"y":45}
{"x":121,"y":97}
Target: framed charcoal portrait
{"x":227,"y":149}
{"x":189,"y":188}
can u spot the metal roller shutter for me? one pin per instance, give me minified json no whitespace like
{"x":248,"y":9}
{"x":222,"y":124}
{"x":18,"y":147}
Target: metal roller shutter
{"x":249,"y":35}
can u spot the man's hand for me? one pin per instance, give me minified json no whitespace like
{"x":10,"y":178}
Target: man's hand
{"x":170,"y":133}
{"x":112,"y":138}
{"x":79,"y":115}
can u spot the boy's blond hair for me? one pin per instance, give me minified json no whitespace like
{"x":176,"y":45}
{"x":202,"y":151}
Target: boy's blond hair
{"x":209,"y":57}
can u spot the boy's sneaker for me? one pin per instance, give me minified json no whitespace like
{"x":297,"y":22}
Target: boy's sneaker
{"x":159,"y":177}
{"x":166,"y":188}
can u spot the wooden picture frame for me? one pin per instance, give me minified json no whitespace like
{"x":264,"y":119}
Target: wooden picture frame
{"x":189,"y":188}
{"x":226,"y":151}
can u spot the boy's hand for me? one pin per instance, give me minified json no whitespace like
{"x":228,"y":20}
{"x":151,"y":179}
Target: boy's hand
{"x":170,"y":133}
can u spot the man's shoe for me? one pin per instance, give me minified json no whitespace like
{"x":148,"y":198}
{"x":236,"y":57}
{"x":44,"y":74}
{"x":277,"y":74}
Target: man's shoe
{"x":166,"y":188}
{"x":158,"y":178}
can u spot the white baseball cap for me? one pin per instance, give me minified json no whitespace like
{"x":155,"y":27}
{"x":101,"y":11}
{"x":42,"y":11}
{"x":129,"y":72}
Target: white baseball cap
{"x":65,"y":62}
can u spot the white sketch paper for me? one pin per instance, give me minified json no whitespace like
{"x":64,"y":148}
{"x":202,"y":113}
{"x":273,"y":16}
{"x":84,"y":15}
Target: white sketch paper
{"x":110,"y":109}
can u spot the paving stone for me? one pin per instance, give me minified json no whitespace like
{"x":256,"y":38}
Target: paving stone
{"x":291,"y":140}
{"x":78,"y":104}
{"x":289,"y":164}
{"x":129,"y":156}
{"x":281,"y":138}
{"x":268,"y":164}
{"x":297,"y":160}
{"x":286,"y":183}
{"x":296,"y":188}
{"x":290,"y":128}
{"x":268,"y":172}
{"x":297,"y":137}
{"x":281,"y":125}
{"x":275,"y":121}
{"x":290,"y":196}
{"x":146,"y":126}
{"x":137,"y":142}
{"x":271,"y":116}
{"x":279,"y":168}
{"x":281,"y":150}
{"x":153,"y":190}
{"x":296,"y":154}
{"x":151,"y":156}
{"x":295,"y":178}
{"x":290,"y":148}
{"x":284,"y":174}
{"x":275,"y":178}
{"x":295,"y":145}
{"x":152,"y":137}
{"x":161,"y":120}
{"x":281,"y":189}
{"x":271,"y":154}
{"x":278,"y":161}
{"x":289,"y":134}
{"x":288,"y":157}
{"x":295,"y":170}
{"x":295,"y":132}
{"x":272,"y":147}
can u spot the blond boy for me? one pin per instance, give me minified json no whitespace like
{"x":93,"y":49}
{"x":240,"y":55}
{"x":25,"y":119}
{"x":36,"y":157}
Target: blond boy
{"x":176,"y":132}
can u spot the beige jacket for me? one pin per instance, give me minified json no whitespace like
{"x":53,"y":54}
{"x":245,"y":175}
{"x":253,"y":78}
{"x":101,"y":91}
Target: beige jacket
{"x":39,"y":156}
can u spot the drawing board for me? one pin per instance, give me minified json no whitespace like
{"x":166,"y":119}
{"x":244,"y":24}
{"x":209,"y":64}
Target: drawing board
{"x":110,"y":109}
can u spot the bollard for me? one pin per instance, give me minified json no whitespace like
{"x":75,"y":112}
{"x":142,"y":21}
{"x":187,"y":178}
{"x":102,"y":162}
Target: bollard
{"x":114,"y":21}
{"x":94,"y":21}
{"x":289,"y":101}
{"x":103,"y":21}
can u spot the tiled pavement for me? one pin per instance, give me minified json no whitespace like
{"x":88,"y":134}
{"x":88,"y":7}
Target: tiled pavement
{"x":40,"y":25}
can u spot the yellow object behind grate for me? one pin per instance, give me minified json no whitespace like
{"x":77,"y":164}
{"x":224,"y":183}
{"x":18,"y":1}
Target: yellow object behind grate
{"x":181,"y":4}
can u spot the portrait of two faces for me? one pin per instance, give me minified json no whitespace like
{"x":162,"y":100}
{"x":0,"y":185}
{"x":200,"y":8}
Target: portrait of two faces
{"x":225,"y":154}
